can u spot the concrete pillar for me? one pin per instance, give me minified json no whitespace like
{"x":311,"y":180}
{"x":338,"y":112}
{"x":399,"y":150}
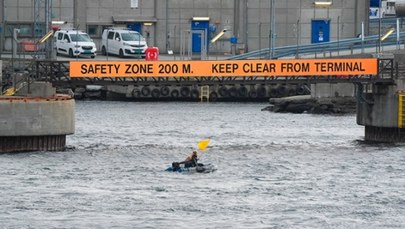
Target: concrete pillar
{"x":31,"y":124}
{"x":38,"y":119}
{"x":378,"y":108}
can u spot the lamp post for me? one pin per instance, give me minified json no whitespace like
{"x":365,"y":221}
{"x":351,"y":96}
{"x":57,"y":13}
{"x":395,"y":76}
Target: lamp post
{"x":48,"y":24}
{"x":260,"y":40}
{"x":379,"y":28}
{"x":270,"y":5}
{"x":362,"y":37}
{"x":338,"y":37}
{"x":272,"y":33}
{"x":298,"y":39}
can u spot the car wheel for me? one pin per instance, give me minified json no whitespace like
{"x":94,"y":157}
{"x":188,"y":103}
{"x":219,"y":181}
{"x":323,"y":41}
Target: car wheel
{"x":92,"y":57}
{"x":103,"y":51}
{"x":71,"y":53}
{"x":121,"y":53}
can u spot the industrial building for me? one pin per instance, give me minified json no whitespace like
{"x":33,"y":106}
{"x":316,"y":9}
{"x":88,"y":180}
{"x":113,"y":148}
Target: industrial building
{"x":173,"y":25}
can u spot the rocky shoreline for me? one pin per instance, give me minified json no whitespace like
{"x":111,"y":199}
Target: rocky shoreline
{"x":306,"y":104}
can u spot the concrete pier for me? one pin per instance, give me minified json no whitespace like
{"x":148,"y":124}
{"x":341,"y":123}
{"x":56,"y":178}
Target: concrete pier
{"x":35,"y":117}
{"x":379,"y":107}
{"x":34,"y":123}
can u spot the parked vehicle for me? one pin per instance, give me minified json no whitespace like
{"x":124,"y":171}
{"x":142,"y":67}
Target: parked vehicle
{"x":74,"y":43}
{"x":123,"y":42}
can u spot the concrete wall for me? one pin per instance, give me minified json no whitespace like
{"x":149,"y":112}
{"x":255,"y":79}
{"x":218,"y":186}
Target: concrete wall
{"x":332,"y":90}
{"x":379,"y":108}
{"x":37,"y":117}
{"x":249,"y":20}
{"x":36,"y":89}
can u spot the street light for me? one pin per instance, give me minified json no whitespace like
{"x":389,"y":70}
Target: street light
{"x":45,"y":37}
{"x":219,"y":35}
{"x":387,"y":34}
{"x":58,"y":22}
{"x":379,"y":26}
{"x":323,"y":3}
{"x":272,"y":28}
{"x":213,"y":40}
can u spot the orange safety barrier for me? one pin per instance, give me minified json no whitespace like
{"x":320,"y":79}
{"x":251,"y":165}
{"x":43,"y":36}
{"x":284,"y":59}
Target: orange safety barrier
{"x":235,"y":68}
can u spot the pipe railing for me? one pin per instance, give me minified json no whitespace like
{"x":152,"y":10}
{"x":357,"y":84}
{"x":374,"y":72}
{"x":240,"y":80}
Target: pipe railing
{"x":324,"y":47}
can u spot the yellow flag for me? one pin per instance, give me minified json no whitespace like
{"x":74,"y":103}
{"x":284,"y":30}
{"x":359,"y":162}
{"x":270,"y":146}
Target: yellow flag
{"x":202,"y":145}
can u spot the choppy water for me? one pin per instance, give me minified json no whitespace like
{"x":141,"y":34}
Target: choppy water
{"x":274,"y":171}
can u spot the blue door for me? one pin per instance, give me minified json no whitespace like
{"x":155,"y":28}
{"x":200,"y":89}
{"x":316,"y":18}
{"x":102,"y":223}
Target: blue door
{"x":375,"y":3}
{"x":320,"y":31}
{"x":136,"y":27}
{"x":196,"y":37}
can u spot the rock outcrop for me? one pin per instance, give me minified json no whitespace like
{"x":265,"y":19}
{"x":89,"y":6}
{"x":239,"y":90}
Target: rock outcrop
{"x":306,"y":104}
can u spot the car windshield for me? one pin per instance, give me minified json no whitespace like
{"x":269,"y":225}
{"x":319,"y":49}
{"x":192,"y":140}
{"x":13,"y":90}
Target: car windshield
{"x":131,"y":36}
{"x":79,"y":37}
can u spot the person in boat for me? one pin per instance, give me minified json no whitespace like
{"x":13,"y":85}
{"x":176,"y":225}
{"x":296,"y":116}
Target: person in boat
{"x":191,"y":160}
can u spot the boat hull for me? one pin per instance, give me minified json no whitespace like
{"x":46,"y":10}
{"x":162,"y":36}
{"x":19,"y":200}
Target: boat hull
{"x":201,"y":168}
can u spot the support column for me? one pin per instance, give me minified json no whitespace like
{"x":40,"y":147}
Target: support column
{"x":384,"y":134}
{"x":380,"y":107}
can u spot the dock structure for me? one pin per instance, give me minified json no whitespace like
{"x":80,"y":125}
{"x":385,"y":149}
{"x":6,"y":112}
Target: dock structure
{"x":34,"y":118}
{"x":228,"y":80}
{"x":380,"y":107}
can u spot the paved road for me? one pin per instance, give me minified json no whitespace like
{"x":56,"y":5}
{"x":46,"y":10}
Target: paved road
{"x":161,"y":57}
{"x":112,"y":57}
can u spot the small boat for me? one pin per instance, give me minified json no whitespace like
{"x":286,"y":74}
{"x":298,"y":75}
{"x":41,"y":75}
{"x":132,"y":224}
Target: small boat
{"x":200,"y":168}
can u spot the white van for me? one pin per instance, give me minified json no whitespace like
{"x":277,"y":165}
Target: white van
{"x":74,"y":43}
{"x":123,"y":42}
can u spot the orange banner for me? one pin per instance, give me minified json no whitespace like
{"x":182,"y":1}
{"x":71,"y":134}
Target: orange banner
{"x":237,"y":68}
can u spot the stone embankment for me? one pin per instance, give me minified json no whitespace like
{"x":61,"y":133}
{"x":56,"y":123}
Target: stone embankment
{"x":306,"y":104}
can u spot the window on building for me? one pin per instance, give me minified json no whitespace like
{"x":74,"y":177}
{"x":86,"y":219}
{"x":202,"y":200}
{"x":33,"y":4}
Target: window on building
{"x":26,"y":29}
{"x":93,"y":30}
{"x":39,"y":29}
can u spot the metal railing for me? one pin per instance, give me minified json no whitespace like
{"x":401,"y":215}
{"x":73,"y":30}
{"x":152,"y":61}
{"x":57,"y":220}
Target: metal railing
{"x":368,"y":45}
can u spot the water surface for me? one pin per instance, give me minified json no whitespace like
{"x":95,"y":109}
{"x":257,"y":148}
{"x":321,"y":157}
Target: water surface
{"x":274,"y":171}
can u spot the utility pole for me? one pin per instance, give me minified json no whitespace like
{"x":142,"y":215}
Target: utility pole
{"x":379,"y":28}
{"x":48,"y":23}
{"x":338,"y":37}
{"x":272,"y":29}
